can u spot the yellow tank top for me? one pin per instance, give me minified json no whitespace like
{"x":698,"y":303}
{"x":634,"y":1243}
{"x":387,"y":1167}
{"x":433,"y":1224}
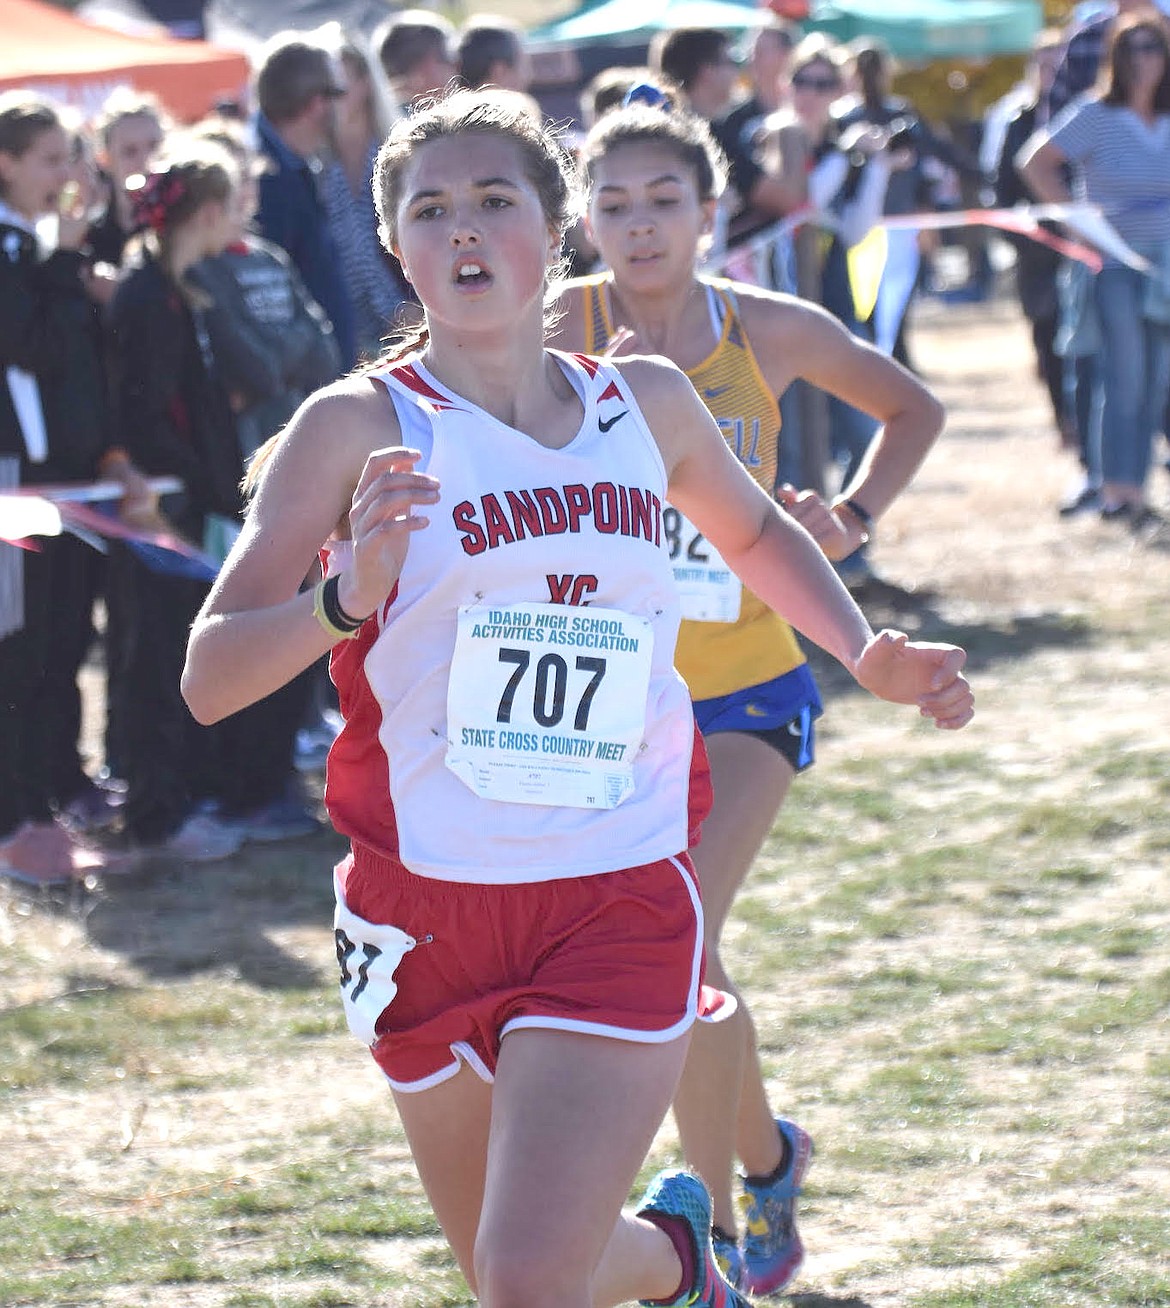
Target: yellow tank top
{"x":719,"y":658}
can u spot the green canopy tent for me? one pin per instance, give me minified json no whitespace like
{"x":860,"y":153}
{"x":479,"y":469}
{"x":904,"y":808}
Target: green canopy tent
{"x":919,"y":30}
{"x":913,"y":30}
{"x":626,"y":22}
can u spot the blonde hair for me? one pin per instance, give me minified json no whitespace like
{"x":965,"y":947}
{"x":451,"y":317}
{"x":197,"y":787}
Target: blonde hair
{"x":817,"y":48}
{"x":123,"y":104}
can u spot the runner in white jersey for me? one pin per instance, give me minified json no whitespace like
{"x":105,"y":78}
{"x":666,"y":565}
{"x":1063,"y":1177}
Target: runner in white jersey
{"x":539,"y":692}
{"x":518,"y":926}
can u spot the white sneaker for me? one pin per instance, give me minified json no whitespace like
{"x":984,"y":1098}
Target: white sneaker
{"x":202,"y":839}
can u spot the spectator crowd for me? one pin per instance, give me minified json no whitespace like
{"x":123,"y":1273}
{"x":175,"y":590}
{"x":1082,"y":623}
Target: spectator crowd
{"x":170,"y":294}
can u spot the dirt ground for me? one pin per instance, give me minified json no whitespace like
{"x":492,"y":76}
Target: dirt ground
{"x":978,"y":531}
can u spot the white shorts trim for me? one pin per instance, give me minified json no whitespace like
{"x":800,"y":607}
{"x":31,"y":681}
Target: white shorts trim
{"x":463,"y":1054}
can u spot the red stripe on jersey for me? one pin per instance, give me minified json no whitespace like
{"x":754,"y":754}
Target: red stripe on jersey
{"x":611,"y":392}
{"x":410,"y":379}
{"x":357,"y":774}
{"x":587,"y":362}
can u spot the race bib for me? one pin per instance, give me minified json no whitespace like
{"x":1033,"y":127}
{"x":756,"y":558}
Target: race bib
{"x":368,"y":954}
{"x":708,"y":590}
{"x":547,"y":703}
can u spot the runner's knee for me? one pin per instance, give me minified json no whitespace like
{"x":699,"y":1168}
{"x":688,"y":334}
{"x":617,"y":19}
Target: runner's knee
{"x":519,"y":1273}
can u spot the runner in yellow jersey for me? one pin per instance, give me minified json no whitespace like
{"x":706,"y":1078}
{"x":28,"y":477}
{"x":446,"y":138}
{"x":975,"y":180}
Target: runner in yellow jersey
{"x":655,"y":179}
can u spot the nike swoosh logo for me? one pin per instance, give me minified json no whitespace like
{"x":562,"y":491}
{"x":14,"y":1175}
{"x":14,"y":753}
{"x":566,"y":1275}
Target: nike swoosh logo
{"x":753,"y":712}
{"x":604,"y":424}
{"x":714,"y":392}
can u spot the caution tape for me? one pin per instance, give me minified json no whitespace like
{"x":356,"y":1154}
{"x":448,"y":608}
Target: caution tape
{"x":31,"y":511}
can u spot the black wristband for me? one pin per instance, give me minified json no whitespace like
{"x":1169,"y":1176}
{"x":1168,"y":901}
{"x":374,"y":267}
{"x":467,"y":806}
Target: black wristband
{"x":862,"y":515}
{"x":331,"y":606}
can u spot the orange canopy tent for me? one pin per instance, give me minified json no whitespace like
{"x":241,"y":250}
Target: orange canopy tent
{"x":49,"y":50}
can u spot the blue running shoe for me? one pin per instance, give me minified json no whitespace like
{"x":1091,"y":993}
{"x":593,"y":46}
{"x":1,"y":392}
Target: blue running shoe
{"x":729,"y":1257}
{"x":681,"y":1195}
{"x":772,"y":1249}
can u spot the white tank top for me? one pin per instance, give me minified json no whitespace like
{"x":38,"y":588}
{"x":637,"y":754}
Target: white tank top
{"x":514,"y":715}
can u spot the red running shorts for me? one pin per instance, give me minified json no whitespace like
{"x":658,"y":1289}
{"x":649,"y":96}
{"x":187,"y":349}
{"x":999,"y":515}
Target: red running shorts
{"x":435,"y":973}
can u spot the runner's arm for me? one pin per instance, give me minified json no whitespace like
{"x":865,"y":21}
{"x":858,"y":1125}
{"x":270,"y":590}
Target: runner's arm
{"x":257,"y":630}
{"x":778,"y":560}
{"x":793,"y":339}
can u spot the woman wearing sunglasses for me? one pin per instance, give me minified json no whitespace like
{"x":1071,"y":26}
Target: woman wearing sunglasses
{"x":1118,"y":140}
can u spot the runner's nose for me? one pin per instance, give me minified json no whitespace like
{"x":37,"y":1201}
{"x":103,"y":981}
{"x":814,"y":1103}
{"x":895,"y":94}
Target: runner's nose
{"x":464,"y":231}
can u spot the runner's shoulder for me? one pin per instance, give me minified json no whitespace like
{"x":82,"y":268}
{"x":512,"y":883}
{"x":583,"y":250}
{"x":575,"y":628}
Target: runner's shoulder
{"x":775,"y":317}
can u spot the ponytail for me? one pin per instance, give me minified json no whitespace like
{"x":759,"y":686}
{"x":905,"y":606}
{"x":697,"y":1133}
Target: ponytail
{"x":162,"y":201}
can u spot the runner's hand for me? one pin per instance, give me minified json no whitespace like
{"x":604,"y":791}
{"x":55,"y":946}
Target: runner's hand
{"x":838,"y":536}
{"x":618,"y":341}
{"x":895,"y":668}
{"x":139,"y":502}
{"x":380,"y":523}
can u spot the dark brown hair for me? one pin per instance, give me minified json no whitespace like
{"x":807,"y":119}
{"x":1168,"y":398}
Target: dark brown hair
{"x":408,"y":38}
{"x":485,"y":113}
{"x":291,"y":72}
{"x":1117,"y":66}
{"x":484,"y":42}
{"x":687,"y":135}
{"x":605,"y":92}
{"x":683,"y":53}
{"x":23,"y":117}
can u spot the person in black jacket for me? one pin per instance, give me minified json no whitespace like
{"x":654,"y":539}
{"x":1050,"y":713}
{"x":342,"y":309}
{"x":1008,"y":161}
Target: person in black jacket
{"x":911,"y":143}
{"x":54,"y":426}
{"x":176,"y":420}
{"x":273,"y":346}
{"x":131,"y":128}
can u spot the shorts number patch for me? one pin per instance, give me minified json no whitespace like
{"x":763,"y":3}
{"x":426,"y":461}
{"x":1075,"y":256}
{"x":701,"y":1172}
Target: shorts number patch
{"x":368,"y":954}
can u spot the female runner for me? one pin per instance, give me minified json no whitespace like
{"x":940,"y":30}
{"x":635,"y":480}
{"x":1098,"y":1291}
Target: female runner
{"x":656,"y":178}
{"x":518,"y":929}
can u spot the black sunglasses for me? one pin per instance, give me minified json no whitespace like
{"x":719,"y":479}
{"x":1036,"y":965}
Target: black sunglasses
{"x":1145,"y":45}
{"x":803,"y":83}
